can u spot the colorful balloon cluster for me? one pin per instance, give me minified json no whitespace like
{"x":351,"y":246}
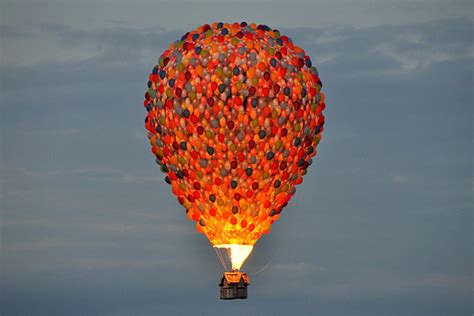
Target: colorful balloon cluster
{"x":234,"y":117}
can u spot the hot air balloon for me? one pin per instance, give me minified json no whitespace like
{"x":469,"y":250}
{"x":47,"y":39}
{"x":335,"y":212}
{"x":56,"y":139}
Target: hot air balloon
{"x":234,"y":116}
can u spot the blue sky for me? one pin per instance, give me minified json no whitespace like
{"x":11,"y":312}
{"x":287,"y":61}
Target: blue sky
{"x":382,"y":224}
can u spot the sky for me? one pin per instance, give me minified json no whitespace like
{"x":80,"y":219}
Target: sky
{"x":382,"y":224}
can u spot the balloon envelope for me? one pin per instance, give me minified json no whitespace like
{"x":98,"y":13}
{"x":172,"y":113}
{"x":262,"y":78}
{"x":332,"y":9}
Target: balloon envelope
{"x":234,"y":119}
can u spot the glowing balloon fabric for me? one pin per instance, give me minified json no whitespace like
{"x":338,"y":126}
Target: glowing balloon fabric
{"x":234,"y":117}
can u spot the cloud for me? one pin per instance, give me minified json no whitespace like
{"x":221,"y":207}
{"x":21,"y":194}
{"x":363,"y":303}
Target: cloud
{"x":389,"y":284}
{"x":62,"y":44}
{"x":389,"y":49}
{"x":104,"y":173}
{"x":52,"y":244}
{"x":410,"y":47}
{"x":415,"y":52}
{"x":400,"y":179}
{"x":108,"y":264}
{"x":300,"y":269}
{"x":456,"y":282}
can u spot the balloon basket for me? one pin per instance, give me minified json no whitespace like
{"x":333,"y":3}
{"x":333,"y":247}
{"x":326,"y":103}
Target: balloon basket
{"x":233,"y":285}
